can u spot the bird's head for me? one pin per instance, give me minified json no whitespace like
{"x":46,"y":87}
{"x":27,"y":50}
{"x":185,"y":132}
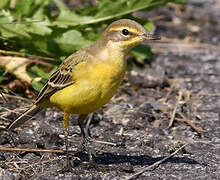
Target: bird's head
{"x":126,"y":34}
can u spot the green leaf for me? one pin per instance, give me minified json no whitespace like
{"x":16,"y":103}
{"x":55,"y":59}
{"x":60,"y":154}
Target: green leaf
{"x":23,"y":7}
{"x":8,"y":29}
{"x":71,"y":40}
{"x":142,"y":52}
{"x":39,"y":72}
{"x":67,"y":17}
{"x":28,"y":7}
{"x":40,"y":28}
{"x":149,"y":26}
{"x":37,"y":85}
{"x":4,"y":3}
{"x":14,"y":30}
{"x":5,"y":17}
{"x":107,"y":9}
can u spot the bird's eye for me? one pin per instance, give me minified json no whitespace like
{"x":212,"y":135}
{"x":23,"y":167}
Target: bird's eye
{"x":125,"y":32}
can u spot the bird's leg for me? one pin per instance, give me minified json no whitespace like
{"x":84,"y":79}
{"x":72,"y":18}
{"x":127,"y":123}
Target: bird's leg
{"x":87,"y":130}
{"x":81,"y":120}
{"x":88,"y":134}
{"x":68,"y":167}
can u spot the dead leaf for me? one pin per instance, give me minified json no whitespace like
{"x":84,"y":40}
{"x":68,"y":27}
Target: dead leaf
{"x":17,"y":66}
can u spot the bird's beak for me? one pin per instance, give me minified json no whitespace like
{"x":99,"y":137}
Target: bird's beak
{"x":148,"y":36}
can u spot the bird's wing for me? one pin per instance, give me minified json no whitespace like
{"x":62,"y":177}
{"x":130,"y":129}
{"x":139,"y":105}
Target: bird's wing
{"x":62,"y":77}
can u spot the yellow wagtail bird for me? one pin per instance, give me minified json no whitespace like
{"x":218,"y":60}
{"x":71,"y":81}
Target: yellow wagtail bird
{"x":88,"y":79}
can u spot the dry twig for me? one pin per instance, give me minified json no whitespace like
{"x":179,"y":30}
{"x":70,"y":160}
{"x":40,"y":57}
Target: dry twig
{"x":31,"y":150}
{"x":183,"y":98}
{"x":156,"y":164}
{"x":175,"y":108}
{"x":2,"y":95}
{"x":17,"y":97}
{"x":103,"y":142}
{"x":20,"y":54}
{"x":191,"y":124}
{"x":29,"y":165}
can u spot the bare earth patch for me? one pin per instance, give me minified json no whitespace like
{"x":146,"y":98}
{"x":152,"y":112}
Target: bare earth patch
{"x":171,"y":102}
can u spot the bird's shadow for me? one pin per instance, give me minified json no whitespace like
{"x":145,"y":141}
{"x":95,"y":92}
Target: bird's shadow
{"x":110,"y":158}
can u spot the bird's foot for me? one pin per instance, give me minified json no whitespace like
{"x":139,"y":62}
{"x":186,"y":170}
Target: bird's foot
{"x":67,"y":167}
{"x":90,"y":163}
{"x":85,"y":146}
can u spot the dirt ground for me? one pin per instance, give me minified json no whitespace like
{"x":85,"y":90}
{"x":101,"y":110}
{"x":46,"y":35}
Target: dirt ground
{"x":182,"y":83}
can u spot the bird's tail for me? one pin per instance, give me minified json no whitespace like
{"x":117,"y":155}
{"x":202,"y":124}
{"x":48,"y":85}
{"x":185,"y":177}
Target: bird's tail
{"x":23,"y":117}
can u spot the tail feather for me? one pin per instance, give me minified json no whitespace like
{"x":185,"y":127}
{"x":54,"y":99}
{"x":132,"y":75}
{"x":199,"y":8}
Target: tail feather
{"x":23,"y":118}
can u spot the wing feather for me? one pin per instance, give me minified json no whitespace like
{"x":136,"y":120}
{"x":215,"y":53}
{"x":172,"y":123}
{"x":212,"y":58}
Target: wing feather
{"x":62,"y":77}
{"x":56,"y":82}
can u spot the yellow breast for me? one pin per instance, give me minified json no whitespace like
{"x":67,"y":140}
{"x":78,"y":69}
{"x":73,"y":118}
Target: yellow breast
{"x":95,"y":84}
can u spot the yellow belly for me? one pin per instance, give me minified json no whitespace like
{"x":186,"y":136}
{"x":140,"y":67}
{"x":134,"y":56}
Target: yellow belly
{"x":94,"y":86}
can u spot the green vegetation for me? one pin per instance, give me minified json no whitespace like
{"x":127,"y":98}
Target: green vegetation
{"x":49,"y":28}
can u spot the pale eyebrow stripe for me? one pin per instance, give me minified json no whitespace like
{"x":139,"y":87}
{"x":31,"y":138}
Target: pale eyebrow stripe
{"x":132,"y":30}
